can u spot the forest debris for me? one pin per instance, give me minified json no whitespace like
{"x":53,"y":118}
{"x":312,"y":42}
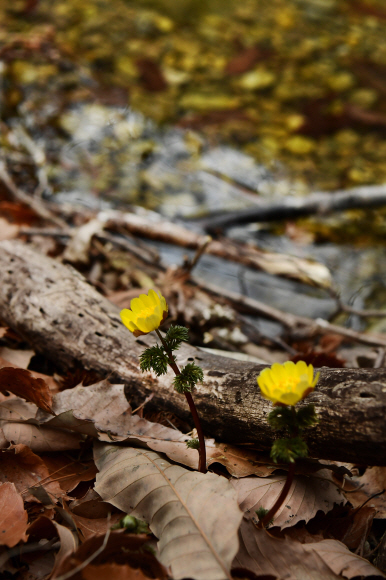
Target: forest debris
{"x":13,"y":516}
{"x":20,"y":382}
{"x":89,"y":325}
{"x":211,"y":549}
{"x":306,"y":496}
{"x":69,"y":473}
{"x":123,"y":549}
{"x":154,"y":227}
{"x":318,"y":203}
{"x":25,"y":469}
{"x":362,"y":489}
{"x":265,"y":554}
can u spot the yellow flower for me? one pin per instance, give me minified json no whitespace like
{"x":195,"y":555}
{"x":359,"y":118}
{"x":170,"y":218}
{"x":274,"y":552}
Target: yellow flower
{"x":147,"y":313}
{"x":287,"y":384}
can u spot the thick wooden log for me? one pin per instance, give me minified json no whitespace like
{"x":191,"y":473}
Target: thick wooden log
{"x":62,"y":316}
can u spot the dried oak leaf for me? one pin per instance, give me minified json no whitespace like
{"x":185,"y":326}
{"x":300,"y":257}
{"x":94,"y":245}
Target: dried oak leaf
{"x":25,"y":469}
{"x":68,"y":472}
{"x":307,"y":495}
{"x":44,"y":528}
{"x":20,"y":382}
{"x":195,"y":516}
{"x":102,"y":411}
{"x":13,"y":516}
{"x":288,"y":559}
{"x":370,"y":483}
{"x":112,"y":571}
{"x":18,"y":427}
{"x":121,"y":549}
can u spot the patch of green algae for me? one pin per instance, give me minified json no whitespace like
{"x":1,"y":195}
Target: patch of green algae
{"x":300,"y":82}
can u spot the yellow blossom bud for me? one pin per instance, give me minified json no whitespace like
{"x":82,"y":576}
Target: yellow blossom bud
{"x":147,"y":313}
{"x":287,"y":384}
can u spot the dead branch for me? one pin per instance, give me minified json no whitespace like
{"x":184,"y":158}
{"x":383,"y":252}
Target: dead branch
{"x":53,"y":307}
{"x":289,"y":208}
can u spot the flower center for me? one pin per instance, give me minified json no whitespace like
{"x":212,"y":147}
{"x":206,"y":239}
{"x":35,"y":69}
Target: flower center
{"x":288,"y":384}
{"x":145,"y":312}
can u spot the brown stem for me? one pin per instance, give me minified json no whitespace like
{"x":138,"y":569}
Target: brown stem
{"x":284,"y":492}
{"x":192,"y":407}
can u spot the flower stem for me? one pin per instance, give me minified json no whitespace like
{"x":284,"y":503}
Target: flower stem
{"x":192,"y":407}
{"x":280,"y":500}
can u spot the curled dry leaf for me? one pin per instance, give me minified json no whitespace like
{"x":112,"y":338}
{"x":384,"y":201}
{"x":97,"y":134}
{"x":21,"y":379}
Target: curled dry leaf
{"x":19,"y":427}
{"x":121,"y":549}
{"x":89,"y":527}
{"x":194,"y":516}
{"x":370,"y":483}
{"x":13,"y":516}
{"x":25,"y":469}
{"x":112,"y":571}
{"x":289,"y":559}
{"x":306,"y":496}
{"x":44,"y":528}
{"x":20,"y":382}
{"x":238,"y":461}
{"x":102,"y":410}
{"x":68,"y":472}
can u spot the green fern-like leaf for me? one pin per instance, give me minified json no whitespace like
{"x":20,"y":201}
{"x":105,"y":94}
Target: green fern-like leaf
{"x":190,"y":375}
{"x":154,"y":358}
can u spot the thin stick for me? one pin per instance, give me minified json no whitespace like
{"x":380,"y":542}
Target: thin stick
{"x":280,"y":500}
{"x":192,"y":407}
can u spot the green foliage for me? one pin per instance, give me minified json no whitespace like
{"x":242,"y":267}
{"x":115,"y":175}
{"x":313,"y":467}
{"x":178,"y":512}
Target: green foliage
{"x":175,"y":336}
{"x":307,"y":416}
{"x":288,"y":450}
{"x":261,"y":513}
{"x":281,"y":417}
{"x":193,"y":444}
{"x":294,"y":420}
{"x":190,"y":375}
{"x":154,"y":358}
{"x":132,"y":525}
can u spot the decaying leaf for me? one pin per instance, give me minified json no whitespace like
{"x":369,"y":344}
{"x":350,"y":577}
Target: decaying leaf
{"x":306,"y":496}
{"x":13,"y":516}
{"x":112,"y":571}
{"x":194,"y":516}
{"x":44,"y":528}
{"x":21,"y":383}
{"x":121,"y":549}
{"x":89,"y":527}
{"x":69,"y":472}
{"x":262,"y":553}
{"x":22,"y":467}
{"x":372,"y":482}
{"x":102,"y":410}
{"x":238,"y":461}
{"x":286,"y":559}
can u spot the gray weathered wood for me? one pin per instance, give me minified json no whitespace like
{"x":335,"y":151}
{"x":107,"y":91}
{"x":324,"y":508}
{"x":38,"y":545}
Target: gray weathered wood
{"x":62,"y":316}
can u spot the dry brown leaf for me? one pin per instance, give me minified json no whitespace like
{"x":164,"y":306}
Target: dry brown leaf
{"x":91,"y":506}
{"x":285,"y":559}
{"x":194,"y":516}
{"x":8,"y":231}
{"x":17,"y":357}
{"x":307,"y":495}
{"x":90,"y":527}
{"x":18,"y":427}
{"x":20,"y":382}
{"x":121,"y":548}
{"x":25,"y":469}
{"x":13,"y":516}
{"x":342,"y":561}
{"x":5,"y":362}
{"x":238,"y":461}
{"x":370,"y":483}
{"x":112,"y":571}
{"x":262,"y":553}
{"x":69,"y":473}
{"x":41,"y":439}
{"x":103,"y":409}
{"x":44,"y":528}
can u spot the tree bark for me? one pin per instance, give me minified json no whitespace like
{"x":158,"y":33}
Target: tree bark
{"x":63,"y":317}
